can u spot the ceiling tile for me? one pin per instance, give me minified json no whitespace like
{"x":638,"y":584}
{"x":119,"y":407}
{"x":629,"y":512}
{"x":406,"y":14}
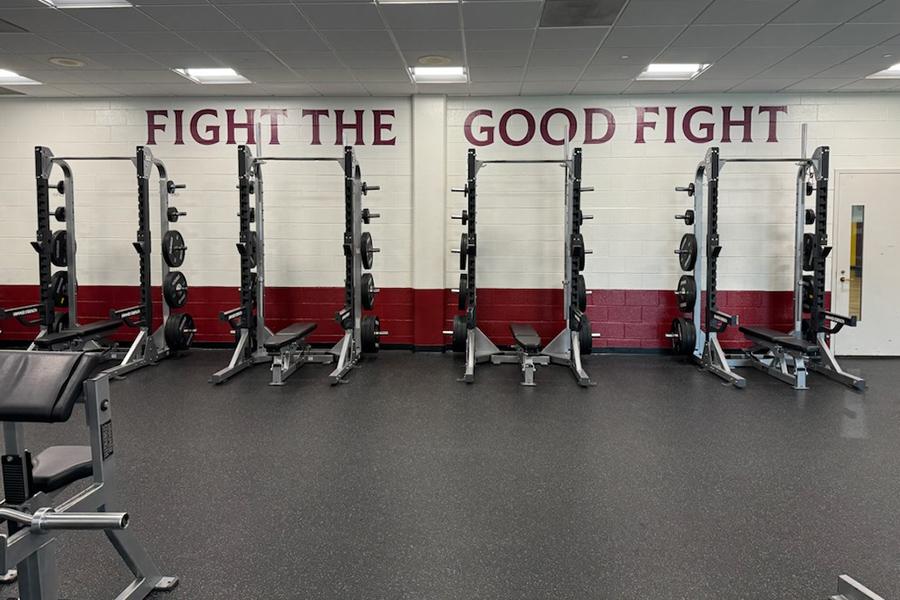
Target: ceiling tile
{"x":870,"y":85}
{"x":764,"y":85}
{"x":326,"y":75}
{"x":496,"y":15}
{"x":661,"y":12}
{"x":189,"y":18}
{"x":24,"y":43}
{"x":43,"y":20}
{"x":292,"y":41}
{"x":558,"y":58}
{"x":621,"y":37}
{"x":691,"y":55}
{"x":266,"y":17}
{"x":270,"y":75}
{"x":654,"y":87}
{"x":596,"y":72}
{"x":310,"y":60}
{"x":759,"y":58}
{"x":409,"y":39}
{"x":383,"y":75}
{"x":183,"y":59}
{"x":87,"y":41}
{"x":823,"y":11}
{"x":496,"y":74}
{"x":504,"y":40}
{"x":153,"y":42}
{"x":552,"y":73}
{"x":389,"y":89}
{"x":456,"y":56}
{"x":367,"y":39}
{"x":547,"y":88}
{"x":817,"y":85}
{"x":708,"y":86}
{"x":421,"y":16}
{"x":214,"y":40}
{"x":123,"y":60}
{"x":115,"y":19}
{"x":602,"y":87}
{"x":495,"y":89}
{"x":342,"y":15}
{"x":713,"y":35}
{"x":341,"y":89}
{"x":859,"y":34}
{"x":788,"y":36}
{"x":497,"y":59}
{"x":450,"y":89}
{"x":630,"y":56}
{"x":238,"y":60}
{"x":358,"y":59}
{"x":579,"y":38}
{"x":742,"y":12}
{"x":289,"y":89}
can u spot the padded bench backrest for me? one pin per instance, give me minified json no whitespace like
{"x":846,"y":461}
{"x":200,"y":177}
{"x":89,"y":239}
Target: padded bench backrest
{"x":42,"y":387}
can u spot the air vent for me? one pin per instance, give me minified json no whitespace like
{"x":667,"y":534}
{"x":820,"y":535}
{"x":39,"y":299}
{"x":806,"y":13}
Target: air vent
{"x":8,"y":92}
{"x":7,"y":27}
{"x":580,"y":13}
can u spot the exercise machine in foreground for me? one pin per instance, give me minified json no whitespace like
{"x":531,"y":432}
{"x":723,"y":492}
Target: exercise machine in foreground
{"x":850,"y":589}
{"x":288,"y":349}
{"x":56,"y":313}
{"x":43,"y":387}
{"x":576,"y":338}
{"x":784,"y":355}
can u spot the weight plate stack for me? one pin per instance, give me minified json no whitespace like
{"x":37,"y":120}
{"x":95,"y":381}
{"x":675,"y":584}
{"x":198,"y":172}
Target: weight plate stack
{"x":179,"y":331}
{"x":58,"y":253}
{"x":366,"y":250}
{"x":367,"y":285}
{"x":686,"y":293}
{"x":580,"y":292}
{"x":585,"y":339}
{"x":463,"y":299}
{"x":809,"y":243}
{"x":252,"y":245}
{"x":173,"y":248}
{"x":175,"y":289}
{"x":684,"y":338}
{"x":687,"y":252}
{"x":59,"y":288}
{"x":463,"y":250}
{"x":577,"y":249}
{"x":369,"y":328}
{"x":808,"y":294}
{"x":460,"y":333}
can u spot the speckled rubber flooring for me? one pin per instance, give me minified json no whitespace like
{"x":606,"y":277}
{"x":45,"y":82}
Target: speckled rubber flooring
{"x":659,"y":483}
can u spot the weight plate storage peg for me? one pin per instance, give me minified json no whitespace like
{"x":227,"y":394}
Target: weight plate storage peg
{"x":460,"y":333}
{"x":173,"y":214}
{"x":585,"y":337}
{"x":179,"y":331}
{"x":366,"y":250}
{"x":367,"y":286}
{"x":687,"y":217}
{"x":173,"y":248}
{"x":463,"y":250}
{"x":580,"y":292}
{"x":175,"y":289}
{"x":59,"y":288}
{"x":809,"y":242}
{"x":683,"y":336}
{"x":687,"y":252}
{"x":58,"y":254}
{"x":370,"y":326}
{"x":463,"y":299}
{"x":60,"y":213}
{"x":686,"y":293}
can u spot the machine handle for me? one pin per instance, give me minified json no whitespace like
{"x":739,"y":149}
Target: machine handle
{"x":46,"y":519}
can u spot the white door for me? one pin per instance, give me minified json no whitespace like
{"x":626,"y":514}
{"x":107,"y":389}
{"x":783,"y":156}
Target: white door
{"x":866,"y":259}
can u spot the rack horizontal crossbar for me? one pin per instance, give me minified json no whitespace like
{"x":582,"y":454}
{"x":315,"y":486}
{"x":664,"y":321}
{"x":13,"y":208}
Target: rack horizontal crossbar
{"x":764,"y":160}
{"x":69,"y":158}
{"x":522,"y":162}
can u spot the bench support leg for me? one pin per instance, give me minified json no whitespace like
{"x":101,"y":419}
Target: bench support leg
{"x":348,"y":355}
{"x":777,"y":363}
{"x":828,"y":366}
{"x":715,"y":361}
{"x":565,"y":349}
{"x":479,"y":348}
{"x":142,"y":352}
{"x":292,"y":358}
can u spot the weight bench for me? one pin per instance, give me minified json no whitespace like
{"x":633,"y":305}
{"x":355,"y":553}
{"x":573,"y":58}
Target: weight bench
{"x":526,"y":353}
{"x":43,"y":387}
{"x":781,"y":355}
{"x":75,"y":337}
{"x":289,"y":351}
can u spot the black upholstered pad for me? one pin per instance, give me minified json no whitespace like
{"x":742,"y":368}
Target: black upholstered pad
{"x":779,"y":338}
{"x":42,"y":386}
{"x":526,"y":337}
{"x":90,"y":330}
{"x":58,"y":466}
{"x":289,"y":335}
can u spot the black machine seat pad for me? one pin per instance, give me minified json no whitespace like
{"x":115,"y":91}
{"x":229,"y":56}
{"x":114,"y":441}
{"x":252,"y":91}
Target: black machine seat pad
{"x":526,"y":337}
{"x":58,"y":466}
{"x":289,"y":335}
{"x":90,"y":330}
{"x":42,"y":387}
{"x":785,"y":340}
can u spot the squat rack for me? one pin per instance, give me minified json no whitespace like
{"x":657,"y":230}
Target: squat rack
{"x":784,"y":356}
{"x":576,"y":338}
{"x":61,"y":330}
{"x":361,"y":333}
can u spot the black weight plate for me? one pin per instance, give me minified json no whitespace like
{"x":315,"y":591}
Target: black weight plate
{"x":367,"y":286}
{"x":60,"y":213}
{"x":686,"y":293}
{"x":687,"y":252}
{"x":60,"y":322}
{"x":58,"y":253}
{"x":254,"y":285}
{"x":173,"y":248}
{"x":179,"y":331}
{"x":370,"y":326}
{"x":685,"y":337}
{"x":175,"y":289}
{"x":809,"y":242}
{"x":808,"y":293}
{"x":59,"y":288}
{"x":689,"y":217}
{"x":580,"y":292}
{"x":578,"y":218}
{"x":463,"y":299}
{"x":577,"y":249}
{"x":585,"y":339}
{"x":810,"y":216}
{"x":366,"y":250}
{"x":460,"y":333}
{"x":463,"y":250}
{"x":252,"y":247}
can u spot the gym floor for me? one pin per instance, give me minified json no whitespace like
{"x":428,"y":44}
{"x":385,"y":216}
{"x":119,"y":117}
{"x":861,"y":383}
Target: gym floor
{"x":659,"y":483}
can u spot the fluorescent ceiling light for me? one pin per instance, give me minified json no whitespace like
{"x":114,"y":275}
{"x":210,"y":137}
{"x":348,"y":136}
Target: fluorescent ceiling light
{"x":212,"y":76}
{"x":416,"y":1}
{"x":892,"y":72}
{"x":669,"y":71}
{"x":10,"y":78}
{"x":88,"y":3}
{"x":439,"y":74}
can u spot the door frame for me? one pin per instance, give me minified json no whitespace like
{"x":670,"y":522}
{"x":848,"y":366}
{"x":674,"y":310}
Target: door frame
{"x":836,"y":205}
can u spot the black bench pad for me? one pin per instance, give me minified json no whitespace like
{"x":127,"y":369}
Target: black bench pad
{"x":42,"y":387}
{"x":58,"y":466}
{"x":91,"y":330}
{"x":289,"y":335}
{"x":526,"y":337}
{"x":779,"y":338}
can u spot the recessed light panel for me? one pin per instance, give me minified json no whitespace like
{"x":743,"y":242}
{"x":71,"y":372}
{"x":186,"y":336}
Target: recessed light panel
{"x":88,"y":3}
{"x":439,"y":74}
{"x":212,"y":76}
{"x":892,"y":72}
{"x":672,"y":71}
{"x":11,"y":78}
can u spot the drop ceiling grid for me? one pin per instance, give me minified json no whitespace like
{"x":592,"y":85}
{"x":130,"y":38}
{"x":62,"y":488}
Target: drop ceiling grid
{"x":355,"y":47}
